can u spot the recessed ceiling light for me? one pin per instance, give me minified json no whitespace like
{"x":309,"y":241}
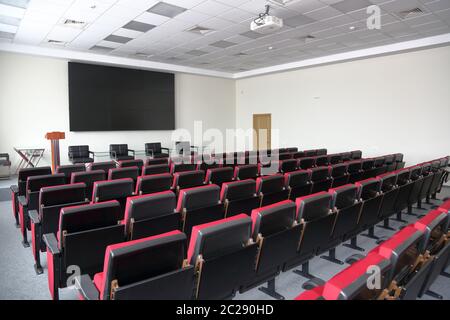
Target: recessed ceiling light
{"x":270,"y":48}
{"x":352,"y":27}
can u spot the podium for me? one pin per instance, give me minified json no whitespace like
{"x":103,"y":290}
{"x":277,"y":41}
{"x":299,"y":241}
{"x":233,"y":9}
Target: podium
{"x":54,"y":138}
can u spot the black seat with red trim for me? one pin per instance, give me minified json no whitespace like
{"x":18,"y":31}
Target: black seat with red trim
{"x":151,"y":162}
{"x":219,"y":175}
{"x":69,"y":169}
{"x":84,"y":233}
{"x":368,"y":166}
{"x":334,"y":159}
{"x":199,"y":205}
{"x":30,"y":201}
{"x":131,"y":163}
{"x":155,"y":169}
{"x":244,"y":172}
{"x":122,"y":173}
{"x":223,"y":253}
{"x":298,"y":183}
{"x":154,"y":183}
{"x":180,"y":164}
{"x":277,"y":234}
{"x":152,"y":268}
{"x":45,"y":219}
{"x":288,"y":165}
{"x":339,"y":174}
{"x":118,"y":190}
{"x":188,"y":179}
{"x":356,"y":154}
{"x":322,"y":161}
{"x":239,"y":197}
{"x":321,"y":179}
{"x":105,"y":166}
{"x":306,"y":163}
{"x":151,"y":214}
{"x":20,"y":189}
{"x":271,"y":189}
{"x":389,"y":190}
{"x":355,"y":171}
{"x":88,"y":178}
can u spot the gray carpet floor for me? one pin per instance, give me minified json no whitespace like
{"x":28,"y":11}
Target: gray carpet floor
{"x":19,"y":281}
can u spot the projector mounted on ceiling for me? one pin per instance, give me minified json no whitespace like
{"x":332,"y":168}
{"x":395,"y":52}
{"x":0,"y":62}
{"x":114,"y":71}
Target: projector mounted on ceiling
{"x":266,"y":23}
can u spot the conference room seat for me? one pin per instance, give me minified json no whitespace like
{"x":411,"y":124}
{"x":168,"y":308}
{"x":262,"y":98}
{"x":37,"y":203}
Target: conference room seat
{"x":239,"y":197}
{"x":398,"y":158}
{"x":152,"y":268}
{"x":347,"y":205}
{"x":306,"y":163}
{"x":310,"y":153}
{"x":121,"y":173}
{"x":356,"y":154}
{"x":154,"y":183}
{"x":322,"y":161}
{"x":298,"y":183}
{"x":346,"y":156}
{"x":322,"y":152}
{"x":84,"y":233}
{"x":298,"y":155}
{"x":181,"y":164}
{"x":334,"y":159}
{"x":188,"y":179}
{"x":155,"y":169}
{"x":405,"y":186}
{"x":291,"y":149}
{"x":46,"y":218}
{"x":317,"y":217}
{"x":368,"y":167}
{"x":118,"y":190}
{"x":20,"y":189}
{"x":283,"y":156}
{"x":119,"y":152}
{"x":131,"y":163}
{"x":219,"y":175}
{"x":417,"y":178}
{"x":88,"y":178}
{"x":437,"y":179}
{"x":151,"y":215}
{"x":321,"y":179}
{"x":271,"y":189}
{"x":199,"y":205}
{"x":244,"y":172}
{"x":277,"y":234}
{"x":428,"y":177}
{"x":223,"y":254}
{"x":285,"y":166}
{"x":380,"y":167}
{"x":205,"y":162}
{"x":80,"y":154}
{"x":355,"y":171}
{"x":105,"y":166}
{"x":155,"y":150}
{"x":69,"y":169}
{"x":389,"y":191}
{"x":30,"y":201}
{"x":339,"y":174}
{"x":151,"y":162}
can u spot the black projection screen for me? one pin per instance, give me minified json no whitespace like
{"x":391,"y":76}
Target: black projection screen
{"x":105,"y":98}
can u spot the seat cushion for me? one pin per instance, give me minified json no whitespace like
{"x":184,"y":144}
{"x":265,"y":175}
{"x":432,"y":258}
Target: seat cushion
{"x":124,"y":158}
{"x":82,"y":160}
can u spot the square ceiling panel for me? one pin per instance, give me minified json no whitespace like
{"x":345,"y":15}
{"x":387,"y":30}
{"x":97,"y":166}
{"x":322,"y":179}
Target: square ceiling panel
{"x":166,"y":9}
{"x":118,"y":39}
{"x":138,"y":26}
{"x":222,"y":44}
{"x":346,"y":6}
{"x":298,"y":20}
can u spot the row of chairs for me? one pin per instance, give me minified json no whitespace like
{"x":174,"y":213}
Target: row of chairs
{"x":408,"y":264}
{"x":225,"y":256}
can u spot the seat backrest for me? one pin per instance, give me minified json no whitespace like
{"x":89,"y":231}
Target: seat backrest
{"x":154,"y":183}
{"x":243,"y":172}
{"x":334,"y":158}
{"x":105,"y":166}
{"x":270,"y":184}
{"x":379,"y":162}
{"x":322,"y":152}
{"x":88,"y":217}
{"x":219,"y":175}
{"x":188,"y":179}
{"x":403,"y":176}
{"x":57,"y":195}
{"x":344,"y":196}
{"x":88,"y":178}
{"x":155,"y":169}
{"x":112,"y":189}
{"x":416,"y":172}
{"x":150,"y":206}
{"x":322,"y":161}
{"x":274,"y":218}
{"x":398,"y":157}
{"x":288,"y":165}
{"x":367,"y":164}
{"x":180,"y":165}
{"x":35,"y":183}
{"x":131,"y":163}
{"x":198,"y":197}
{"x":24,"y":173}
{"x":354,"y":166}
{"x":356,"y":154}
{"x":134,"y":261}
{"x":120,"y":173}
{"x":389,"y":159}
{"x":310,"y":153}
{"x":119,"y":149}
{"x":237,"y":190}
{"x":368,"y":189}
{"x":297,"y":178}
{"x":306,"y":163}
{"x":346,"y":156}
{"x":298,"y":155}
{"x":388,"y":181}
{"x":69,"y":169}
{"x":155,"y":147}
{"x":79,"y":151}
{"x":155,"y":161}
{"x":219,"y":238}
{"x":338,"y":170}
{"x":320,"y":174}
{"x":313,"y":207}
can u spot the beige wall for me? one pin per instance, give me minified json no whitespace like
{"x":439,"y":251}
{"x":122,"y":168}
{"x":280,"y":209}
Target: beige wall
{"x":397,"y":103}
{"x":34,"y":100}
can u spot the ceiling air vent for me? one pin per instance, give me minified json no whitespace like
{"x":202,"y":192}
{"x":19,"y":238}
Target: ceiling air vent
{"x":307,"y":38}
{"x":406,"y":14}
{"x":74,"y":23}
{"x":200,"y":30}
{"x":56,"y":42}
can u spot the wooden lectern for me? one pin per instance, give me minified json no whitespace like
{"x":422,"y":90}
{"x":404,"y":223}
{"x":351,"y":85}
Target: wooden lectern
{"x":54,"y":137}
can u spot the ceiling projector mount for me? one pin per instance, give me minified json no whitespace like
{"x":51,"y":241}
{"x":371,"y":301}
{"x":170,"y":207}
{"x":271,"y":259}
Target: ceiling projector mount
{"x":265,"y":23}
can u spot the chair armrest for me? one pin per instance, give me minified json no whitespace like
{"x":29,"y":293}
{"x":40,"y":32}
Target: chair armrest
{"x":113,"y":153}
{"x":132,"y":151}
{"x":167,"y":149}
{"x":34,"y":216}
{"x":91,"y":152}
{"x":86,"y":287}
{"x":14,"y":189}
{"x":22,"y":201}
{"x":51,"y":243}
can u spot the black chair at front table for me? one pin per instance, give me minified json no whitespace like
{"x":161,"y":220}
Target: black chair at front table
{"x":120,"y":152}
{"x":155,"y":150}
{"x":80,"y":154}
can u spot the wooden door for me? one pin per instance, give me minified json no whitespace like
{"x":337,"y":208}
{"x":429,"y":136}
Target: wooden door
{"x":262,"y":135}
